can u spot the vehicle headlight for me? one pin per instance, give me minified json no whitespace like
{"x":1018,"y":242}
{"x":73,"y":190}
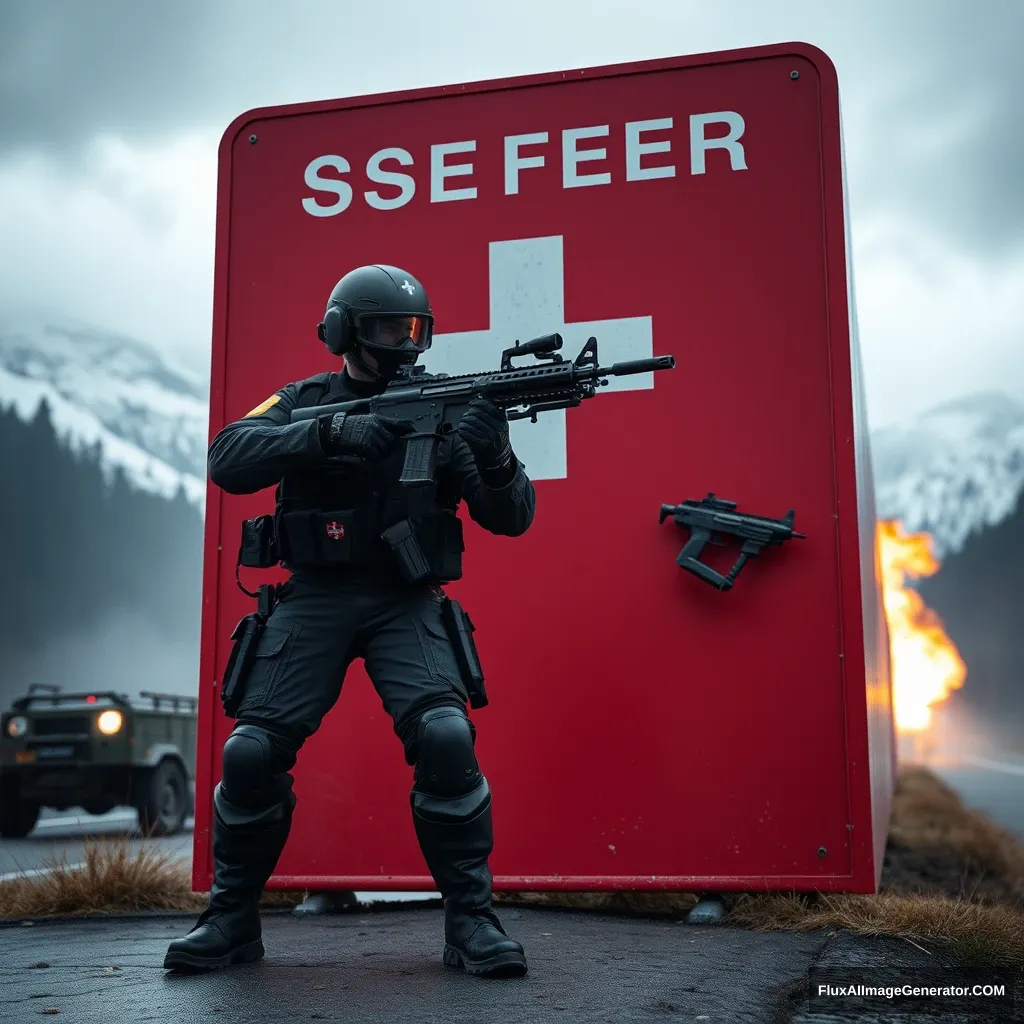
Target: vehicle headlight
{"x":109,"y":722}
{"x":17,"y":726}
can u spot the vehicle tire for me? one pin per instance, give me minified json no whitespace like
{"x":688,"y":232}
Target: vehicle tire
{"x":163,"y":800}
{"x":17,"y":817}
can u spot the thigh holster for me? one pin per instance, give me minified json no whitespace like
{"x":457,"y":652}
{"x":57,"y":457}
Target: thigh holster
{"x":245,"y":639}
{"x":459,"y":627}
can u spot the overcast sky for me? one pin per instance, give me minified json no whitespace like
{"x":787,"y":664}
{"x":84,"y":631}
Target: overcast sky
{"x":111,"y":112}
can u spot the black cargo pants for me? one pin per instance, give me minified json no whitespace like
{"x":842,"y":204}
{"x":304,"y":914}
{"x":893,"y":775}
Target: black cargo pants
{"x":321,"y":623}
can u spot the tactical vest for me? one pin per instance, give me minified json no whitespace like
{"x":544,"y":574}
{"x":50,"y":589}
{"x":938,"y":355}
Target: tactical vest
{"x":357,"y":515}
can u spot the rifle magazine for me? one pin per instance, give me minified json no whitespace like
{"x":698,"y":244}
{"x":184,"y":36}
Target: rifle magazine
{"x":420,"y":460}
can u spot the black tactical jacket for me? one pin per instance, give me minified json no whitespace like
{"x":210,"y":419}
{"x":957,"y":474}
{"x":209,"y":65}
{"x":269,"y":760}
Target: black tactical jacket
{"x":313,"y":490}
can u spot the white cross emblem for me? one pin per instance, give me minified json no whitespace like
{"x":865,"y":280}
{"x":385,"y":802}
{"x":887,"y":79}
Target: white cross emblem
{"x":526,"y":301}
{"x":410,"y":288}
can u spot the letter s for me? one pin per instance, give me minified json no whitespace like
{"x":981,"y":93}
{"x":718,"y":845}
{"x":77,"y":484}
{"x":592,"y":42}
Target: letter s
{"x":405,"y":182}
{"x":342,"y":189}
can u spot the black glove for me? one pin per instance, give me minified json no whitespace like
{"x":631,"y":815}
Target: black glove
{"x":484,"y":427}
{"x":364,"y":435}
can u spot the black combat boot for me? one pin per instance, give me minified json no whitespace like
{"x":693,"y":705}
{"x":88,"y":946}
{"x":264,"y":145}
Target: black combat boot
{"x":456,"y":854}
{"x":244,"y":856}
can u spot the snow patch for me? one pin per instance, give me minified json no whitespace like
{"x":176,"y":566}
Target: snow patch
{"x":954,"y":470}
{"x":80,"y":429}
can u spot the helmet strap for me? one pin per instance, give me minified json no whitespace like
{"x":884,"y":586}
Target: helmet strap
{"x":354,"y":356}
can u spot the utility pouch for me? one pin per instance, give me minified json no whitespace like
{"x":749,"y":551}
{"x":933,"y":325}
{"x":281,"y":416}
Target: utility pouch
{"x":406,"y":547}
{"x":259,"y":548}
{"x":323,"y":538}
{"x":459,"y":627}
{"x":245,"y":639}
{"x":444,"y":536}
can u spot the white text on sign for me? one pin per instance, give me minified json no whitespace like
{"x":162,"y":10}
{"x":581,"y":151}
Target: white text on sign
{"x":647,"y":155}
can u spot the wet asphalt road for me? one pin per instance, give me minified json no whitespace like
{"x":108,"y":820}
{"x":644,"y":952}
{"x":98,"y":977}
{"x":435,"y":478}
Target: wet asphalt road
{"x":993,"y":784}
{"x":385,"y":966}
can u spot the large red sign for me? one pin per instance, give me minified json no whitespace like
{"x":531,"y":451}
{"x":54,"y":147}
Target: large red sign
{"x":645,"y":730}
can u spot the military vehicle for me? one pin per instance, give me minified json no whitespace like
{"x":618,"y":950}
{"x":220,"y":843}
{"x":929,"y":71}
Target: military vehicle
{"x":97,"y":751}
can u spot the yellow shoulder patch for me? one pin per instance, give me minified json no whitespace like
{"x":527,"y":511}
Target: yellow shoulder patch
{"x":263,"y":406}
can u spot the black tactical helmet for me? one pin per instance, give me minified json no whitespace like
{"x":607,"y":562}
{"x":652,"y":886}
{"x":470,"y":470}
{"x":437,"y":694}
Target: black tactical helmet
{"x":382,"y":309}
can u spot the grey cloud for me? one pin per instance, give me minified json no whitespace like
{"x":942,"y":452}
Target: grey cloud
{"x":948,"y":139}
{"x":70,"y":70}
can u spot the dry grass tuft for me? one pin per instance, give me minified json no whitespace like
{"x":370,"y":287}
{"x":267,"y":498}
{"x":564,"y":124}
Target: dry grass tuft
{"x":928,"y":817}
{"x":981,"y":934}
{"x":116,"y":876}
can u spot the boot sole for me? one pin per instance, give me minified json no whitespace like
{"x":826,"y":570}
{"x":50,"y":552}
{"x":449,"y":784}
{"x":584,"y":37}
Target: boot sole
{"x":247,"y":954}
{"x":504,"y":965}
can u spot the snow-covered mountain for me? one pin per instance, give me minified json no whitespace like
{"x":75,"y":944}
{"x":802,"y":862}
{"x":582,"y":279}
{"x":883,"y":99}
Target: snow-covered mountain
{"x":149,"y":418}
{"x":952,"y":471}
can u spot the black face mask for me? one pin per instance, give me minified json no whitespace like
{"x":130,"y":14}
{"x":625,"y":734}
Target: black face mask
{"x":389,"y":362}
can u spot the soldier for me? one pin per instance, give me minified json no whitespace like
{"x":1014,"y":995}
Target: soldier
{"x":337,"y":493}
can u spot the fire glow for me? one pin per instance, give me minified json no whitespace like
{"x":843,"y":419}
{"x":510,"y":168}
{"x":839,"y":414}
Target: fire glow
{"x":926,"y":665}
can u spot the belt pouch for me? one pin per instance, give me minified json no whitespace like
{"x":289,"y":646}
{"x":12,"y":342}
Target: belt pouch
{"x":407,"y":550}
{"x":259,"y":549}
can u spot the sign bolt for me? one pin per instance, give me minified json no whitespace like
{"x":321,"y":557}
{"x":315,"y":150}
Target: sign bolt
{"x":252,"y":138}
{"x":793,"y":74}
{"x":822,"y":851}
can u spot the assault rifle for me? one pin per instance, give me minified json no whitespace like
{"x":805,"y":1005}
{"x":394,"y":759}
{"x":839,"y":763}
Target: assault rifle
{"x":711,"y":516}
{"x":436,"y":405}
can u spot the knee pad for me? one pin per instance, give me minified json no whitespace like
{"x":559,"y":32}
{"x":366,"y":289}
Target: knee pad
{"x":255,"y":766}
{"x":448,"y":782}
{"x":410,"y":727}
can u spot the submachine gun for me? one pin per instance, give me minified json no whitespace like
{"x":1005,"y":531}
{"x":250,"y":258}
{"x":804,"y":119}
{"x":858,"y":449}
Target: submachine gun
{"x":711,"y":516}
{"x":435,"y":405}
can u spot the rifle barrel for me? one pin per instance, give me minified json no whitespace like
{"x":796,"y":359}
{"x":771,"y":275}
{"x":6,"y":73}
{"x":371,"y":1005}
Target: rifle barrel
{"x":637,"y":366}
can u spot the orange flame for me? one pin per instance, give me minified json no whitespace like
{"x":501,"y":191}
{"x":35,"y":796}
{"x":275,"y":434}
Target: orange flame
{"x":926,"y":665}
